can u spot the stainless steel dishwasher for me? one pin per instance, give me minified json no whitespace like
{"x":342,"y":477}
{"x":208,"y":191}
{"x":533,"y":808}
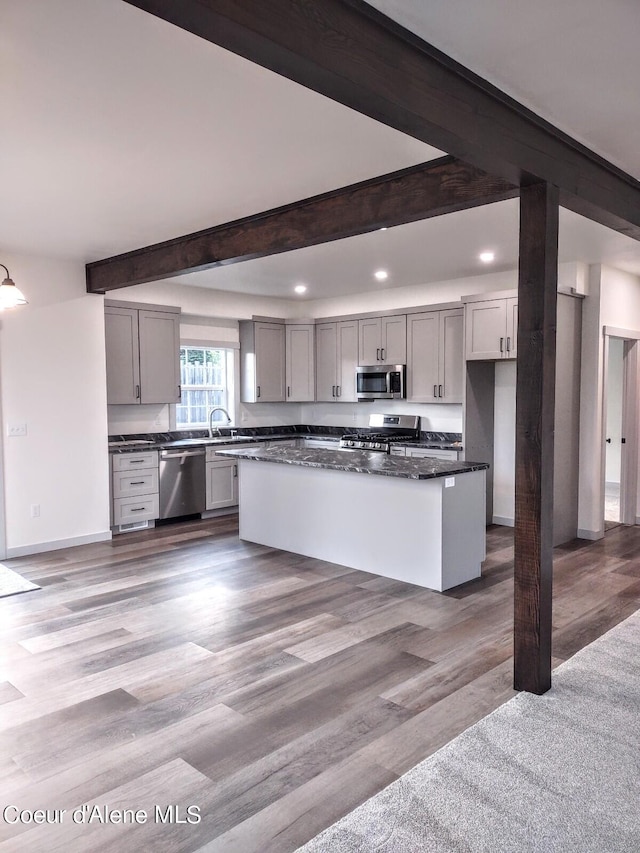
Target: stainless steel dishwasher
{"x":182,"y":482}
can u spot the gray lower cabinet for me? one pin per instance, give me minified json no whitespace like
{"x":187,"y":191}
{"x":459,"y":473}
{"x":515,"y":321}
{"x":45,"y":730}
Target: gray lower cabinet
{"x":142,"y":354}
{"x":134,"y":488}
{"x":221,"y":484}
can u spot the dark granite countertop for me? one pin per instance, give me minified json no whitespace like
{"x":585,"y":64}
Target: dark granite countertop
{"x":358,"y":461}
{"x":140,"y":442}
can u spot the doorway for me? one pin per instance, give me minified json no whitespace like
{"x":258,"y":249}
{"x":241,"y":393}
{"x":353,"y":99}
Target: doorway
{"x":620,"y":431}
{"x":613,"y":432}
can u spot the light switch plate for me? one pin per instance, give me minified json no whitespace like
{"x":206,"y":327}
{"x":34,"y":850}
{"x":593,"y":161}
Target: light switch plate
{"x":15,"y":430}
{"x":449,"y":481}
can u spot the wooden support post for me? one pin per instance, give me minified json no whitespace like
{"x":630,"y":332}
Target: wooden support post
{"x":535,"y":402}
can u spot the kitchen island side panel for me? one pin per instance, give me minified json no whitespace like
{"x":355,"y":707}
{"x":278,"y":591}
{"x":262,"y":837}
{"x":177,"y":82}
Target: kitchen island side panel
{"x":389,"y":526}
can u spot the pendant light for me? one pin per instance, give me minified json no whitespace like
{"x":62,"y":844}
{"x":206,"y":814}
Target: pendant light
{"x":10,"y":296}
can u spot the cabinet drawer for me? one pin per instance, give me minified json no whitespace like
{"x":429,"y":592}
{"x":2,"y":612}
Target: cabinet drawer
{"x":143,"y":482}
{"x":129,"y":509}
{"x":134,"y":461}
{"x":431,"y":453}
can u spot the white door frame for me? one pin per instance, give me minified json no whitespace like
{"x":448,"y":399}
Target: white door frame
{"x":630,"y":415}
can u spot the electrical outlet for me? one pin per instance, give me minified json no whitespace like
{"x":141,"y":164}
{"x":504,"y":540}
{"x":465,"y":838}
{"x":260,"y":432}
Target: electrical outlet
{"x":35,"y":510}
{"x":15,"y":430}
{"x":449,"y":482}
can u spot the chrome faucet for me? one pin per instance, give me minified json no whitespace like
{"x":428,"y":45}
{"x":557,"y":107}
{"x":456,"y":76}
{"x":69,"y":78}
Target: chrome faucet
{"x":211,"y":414}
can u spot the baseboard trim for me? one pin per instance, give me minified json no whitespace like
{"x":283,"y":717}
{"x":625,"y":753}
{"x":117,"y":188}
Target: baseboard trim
{"x":590,"y":534}
{"x":503,"y":520}
{"x":57,"y":544}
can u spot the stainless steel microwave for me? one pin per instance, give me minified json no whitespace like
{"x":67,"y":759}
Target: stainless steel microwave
{"x":380,"y":382}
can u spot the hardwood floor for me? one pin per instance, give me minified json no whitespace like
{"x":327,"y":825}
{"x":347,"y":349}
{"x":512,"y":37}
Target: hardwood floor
{"x":275,"y":692}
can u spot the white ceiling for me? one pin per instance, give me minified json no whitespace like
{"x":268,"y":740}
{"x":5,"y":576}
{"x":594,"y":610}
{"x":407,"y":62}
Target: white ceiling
{"x":120,"y":130}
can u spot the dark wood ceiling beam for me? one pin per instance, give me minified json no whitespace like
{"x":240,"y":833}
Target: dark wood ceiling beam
{"x":430,"y":189}
{"x":350,"y":52}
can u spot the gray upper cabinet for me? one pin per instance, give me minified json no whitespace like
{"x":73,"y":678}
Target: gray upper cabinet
{"x":300,"y":362}
{"x":262,"y":353}
{"x":435,"y":356}
{"x":382,"y":340}
{"x":336,"y":361}
{"x":491,"y":329}
{"x":143,"y":354}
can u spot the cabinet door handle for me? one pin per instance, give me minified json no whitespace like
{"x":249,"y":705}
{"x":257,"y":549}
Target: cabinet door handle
{"x":508,"y":344}
{"x":378,"y":354}
{"x":382,"y":354}
{"x":435,"y":390}
{"x":179,"y":393}
{"x":137,"y":392}
{"x":501,"y":344}
{"x":258,"y":390}
{"x":333,"y":390}
{"x":338,"y":391}
{"x":288,"y":390}
{"x":235,"y":470}
{"x":439,"y":390}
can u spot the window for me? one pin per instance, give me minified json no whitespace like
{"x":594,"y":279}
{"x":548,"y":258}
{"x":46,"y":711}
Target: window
{"x":206,"y":377}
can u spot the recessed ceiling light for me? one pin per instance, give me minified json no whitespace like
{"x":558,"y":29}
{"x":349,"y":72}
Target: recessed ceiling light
{"x":300,"y":288}
{"x":487,"y":257}
{"x":381,"y":275}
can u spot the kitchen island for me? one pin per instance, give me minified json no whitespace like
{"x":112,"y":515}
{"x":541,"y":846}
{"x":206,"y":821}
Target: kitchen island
{"x":420,"y":521}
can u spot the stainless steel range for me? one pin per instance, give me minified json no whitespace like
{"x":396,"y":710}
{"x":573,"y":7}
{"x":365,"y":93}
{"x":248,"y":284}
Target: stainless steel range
{"x":383,"y":431}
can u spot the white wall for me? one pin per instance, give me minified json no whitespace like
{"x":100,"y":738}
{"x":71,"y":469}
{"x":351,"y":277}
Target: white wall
{"x":613,"y":300}
{"x":504,"y":452}
{"x":52,"y":375}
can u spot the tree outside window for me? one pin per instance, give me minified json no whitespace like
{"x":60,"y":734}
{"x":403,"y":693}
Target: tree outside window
{"x":206,"y":377}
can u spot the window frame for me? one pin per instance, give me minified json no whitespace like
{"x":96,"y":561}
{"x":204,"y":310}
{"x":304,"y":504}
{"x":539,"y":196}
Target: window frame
{"x":232,"y":363}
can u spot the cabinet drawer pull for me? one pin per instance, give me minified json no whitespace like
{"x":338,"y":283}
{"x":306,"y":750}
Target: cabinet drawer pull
{"x":136,"y":462}
{"x":136,"y":483}
{"x":501,"y":344}
{"x":138,"y":509}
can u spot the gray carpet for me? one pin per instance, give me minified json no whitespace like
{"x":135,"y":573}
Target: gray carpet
{"x":559,"y":772}
{"x":11,"y":583}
